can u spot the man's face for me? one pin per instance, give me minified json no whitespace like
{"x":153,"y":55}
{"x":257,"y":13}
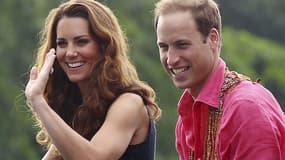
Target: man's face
{"x":187,"y":56}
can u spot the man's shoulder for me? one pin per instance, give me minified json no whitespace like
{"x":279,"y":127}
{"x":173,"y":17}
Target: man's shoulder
{"x":250,"y":97}
{"x":248,"y":90}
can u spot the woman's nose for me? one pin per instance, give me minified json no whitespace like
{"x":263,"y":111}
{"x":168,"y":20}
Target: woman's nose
{"x":71,"y":52}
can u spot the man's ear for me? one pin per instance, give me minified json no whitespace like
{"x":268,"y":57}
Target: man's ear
{"x":214,"y":39}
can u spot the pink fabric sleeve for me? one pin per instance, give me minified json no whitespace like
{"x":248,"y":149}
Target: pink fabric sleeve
{"x":249,"y":131}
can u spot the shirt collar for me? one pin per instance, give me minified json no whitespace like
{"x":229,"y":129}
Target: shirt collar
{"x":185,"y":101}
{"x":210,"y":91}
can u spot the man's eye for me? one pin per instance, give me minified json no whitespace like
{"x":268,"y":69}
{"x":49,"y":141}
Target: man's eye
{"x":182,"y":45}
{"x":163,"y":47}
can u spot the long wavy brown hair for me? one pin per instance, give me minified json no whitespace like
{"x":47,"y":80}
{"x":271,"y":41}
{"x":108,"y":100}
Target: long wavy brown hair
{"x":112,"y":75}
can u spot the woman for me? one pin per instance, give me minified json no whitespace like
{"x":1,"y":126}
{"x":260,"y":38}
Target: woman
{"x":85,"y":94}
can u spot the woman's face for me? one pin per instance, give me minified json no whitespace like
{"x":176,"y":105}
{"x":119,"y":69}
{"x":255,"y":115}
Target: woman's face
{"x":76,"y":50}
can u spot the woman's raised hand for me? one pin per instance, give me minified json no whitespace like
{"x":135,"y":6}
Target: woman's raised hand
{"x":38,"y":80}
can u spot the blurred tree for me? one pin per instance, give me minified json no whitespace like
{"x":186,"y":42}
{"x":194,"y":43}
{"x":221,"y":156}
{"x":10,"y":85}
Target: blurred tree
{"x":261,"y":17}
{"x":19,"y":27}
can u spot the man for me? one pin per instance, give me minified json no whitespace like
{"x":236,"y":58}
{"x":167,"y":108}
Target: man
{"x":222,"y":114}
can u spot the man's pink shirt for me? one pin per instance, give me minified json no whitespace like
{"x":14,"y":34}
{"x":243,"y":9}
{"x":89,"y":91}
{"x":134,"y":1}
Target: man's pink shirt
{"x":252,"y":126}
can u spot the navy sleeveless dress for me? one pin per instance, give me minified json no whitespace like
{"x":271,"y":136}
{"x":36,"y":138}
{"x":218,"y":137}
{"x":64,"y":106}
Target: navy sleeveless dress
{"x":144,"y":150}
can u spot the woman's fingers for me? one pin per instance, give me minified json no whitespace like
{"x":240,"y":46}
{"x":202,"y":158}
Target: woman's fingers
{"x":47,"y":67}
{"x":33,"y":73}
{"x":33,"y":77}
{"x":38,"y":81}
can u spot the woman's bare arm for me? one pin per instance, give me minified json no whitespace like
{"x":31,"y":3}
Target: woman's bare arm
{"x":50,"y":155}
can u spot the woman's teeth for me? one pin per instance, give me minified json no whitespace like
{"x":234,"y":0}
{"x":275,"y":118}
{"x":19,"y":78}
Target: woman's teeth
{"x":74,"y":65}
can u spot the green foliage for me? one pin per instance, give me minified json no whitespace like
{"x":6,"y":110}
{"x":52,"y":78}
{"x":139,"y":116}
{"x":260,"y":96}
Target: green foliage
{"x":19,"y":27}
{"x":21,"y":21}
{"x":256,"y":57}
{"x":261,"y":17}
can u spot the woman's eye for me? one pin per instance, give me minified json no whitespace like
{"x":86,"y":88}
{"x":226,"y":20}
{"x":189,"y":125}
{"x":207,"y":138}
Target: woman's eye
{"x":82,"y":42}
{"x":61,"y":44}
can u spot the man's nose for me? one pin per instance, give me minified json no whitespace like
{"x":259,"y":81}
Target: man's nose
{"x":172,"y":57}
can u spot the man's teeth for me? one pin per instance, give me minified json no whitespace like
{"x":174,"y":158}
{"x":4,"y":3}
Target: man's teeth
{"x":177,"y":71}
{"x":73,"y":65}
